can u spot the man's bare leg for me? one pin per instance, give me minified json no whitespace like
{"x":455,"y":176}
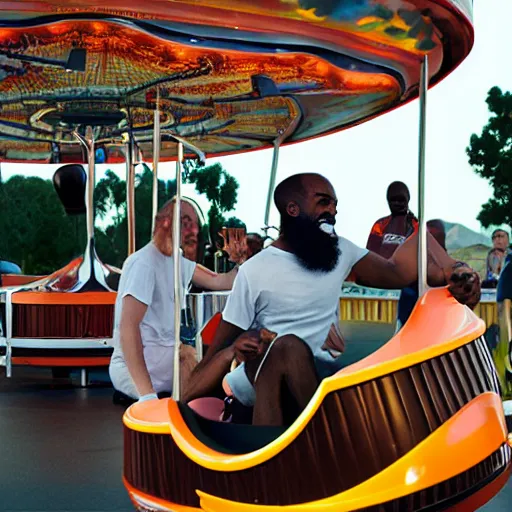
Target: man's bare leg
{"x":188,"y":361}
{"x":289,"y":363}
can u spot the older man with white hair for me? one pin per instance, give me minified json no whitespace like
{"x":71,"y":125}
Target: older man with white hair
{"x":144,"y":338}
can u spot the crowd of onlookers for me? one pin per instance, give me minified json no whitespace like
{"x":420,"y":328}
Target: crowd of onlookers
{"x":391,"y":231}
{"x":497,"y":257}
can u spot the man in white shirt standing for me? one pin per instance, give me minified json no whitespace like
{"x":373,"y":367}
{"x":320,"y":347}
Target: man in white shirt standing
{"x":142,"y":362}
{"x":292,"y":288}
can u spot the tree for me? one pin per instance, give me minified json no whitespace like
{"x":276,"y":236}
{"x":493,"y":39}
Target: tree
{"x":110,"y":200}
{"x":35,"y":231}
{"x":490,"y":155}
{"x":221,"y":189}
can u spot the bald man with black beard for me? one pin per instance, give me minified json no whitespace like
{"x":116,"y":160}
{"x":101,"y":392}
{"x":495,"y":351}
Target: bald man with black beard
{"x":292,"y":289}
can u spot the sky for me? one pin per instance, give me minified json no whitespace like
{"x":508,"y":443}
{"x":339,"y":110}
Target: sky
{"x":362,"y":161}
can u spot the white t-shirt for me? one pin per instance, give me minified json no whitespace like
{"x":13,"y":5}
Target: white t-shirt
{"x":148,"y":275}
{"x":273,"y":290}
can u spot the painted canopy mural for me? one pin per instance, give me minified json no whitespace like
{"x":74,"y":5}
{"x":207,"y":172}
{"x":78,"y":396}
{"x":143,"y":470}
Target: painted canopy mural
{"x":227,"y":75}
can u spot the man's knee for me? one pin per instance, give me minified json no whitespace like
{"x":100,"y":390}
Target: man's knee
{"x":289,"y":347}
{"x":188,"y":354}
{"x":188,"y":361}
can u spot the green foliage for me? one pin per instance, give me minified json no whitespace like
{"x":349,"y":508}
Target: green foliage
{"x":234,"y":222}
{"x":490,"y":155}
{"x":213,"y":181}
{"x":221,"y":189}
{"x":110,"y":199}
{"x":35,"y":231}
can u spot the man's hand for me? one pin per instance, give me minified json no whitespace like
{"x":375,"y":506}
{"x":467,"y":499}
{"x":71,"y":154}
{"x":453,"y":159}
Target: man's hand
{"x":235,"y":244}
{"x":247,"y":345}
{"x":253,"y":344}
{"x":335,"y":343}
{"x":464,"y":284}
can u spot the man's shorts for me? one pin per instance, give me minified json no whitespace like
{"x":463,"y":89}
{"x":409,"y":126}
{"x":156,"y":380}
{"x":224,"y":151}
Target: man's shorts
{"x":244,"y":392}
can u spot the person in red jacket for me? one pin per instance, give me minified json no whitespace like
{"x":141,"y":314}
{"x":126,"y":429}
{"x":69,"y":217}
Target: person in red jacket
{"x":390,"y":232}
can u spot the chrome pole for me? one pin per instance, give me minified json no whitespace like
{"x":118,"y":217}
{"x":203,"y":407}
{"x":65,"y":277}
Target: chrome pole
{"x":176,"y":237}
{"x":156,"y":159}
{"x":186,"y":145}
{"x":272,"y":182}
{"x":84,"y":377}
{"x":8,"y":333}
{"x":88,"y":143}
{"x":422,"y":234}
{"x":130,"y":194}
{"x":91,"y":167}
{"x":90,"y":267}
{"x":283,"y":135}
{"x":199,"y":307}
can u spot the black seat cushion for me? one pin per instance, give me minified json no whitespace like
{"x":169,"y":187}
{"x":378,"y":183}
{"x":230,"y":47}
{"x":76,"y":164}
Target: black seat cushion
{"x":229,"y":438}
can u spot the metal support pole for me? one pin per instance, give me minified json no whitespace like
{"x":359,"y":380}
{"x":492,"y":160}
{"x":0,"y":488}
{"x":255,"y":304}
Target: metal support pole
{"x":91,"y":167}
{"x":176,"y":237}
{"x":83,"y":378}
{"x":422,"y":234}
{"x":283,"y":135}
{"x":130,"y":194}
{"x":88,"y":143}
{"x":272,"y":183}
{"x":186,"y":145}
{"x":199,"y":325}
{"x":156,"y":159}
{"x":8,"y":333}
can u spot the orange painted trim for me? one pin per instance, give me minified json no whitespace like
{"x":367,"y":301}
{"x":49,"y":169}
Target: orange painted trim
{"x":465,"y":440}
{"x":484,"y":495}
{"x":151,"y":417}
{"x":437,"y":325}
{"x":61,"y":361}
{"x":217,"y":461}
{"x":455,"y":325}
{"x":174,"y":507}
{"x":63,"y":298}
{"x":19,"y":280}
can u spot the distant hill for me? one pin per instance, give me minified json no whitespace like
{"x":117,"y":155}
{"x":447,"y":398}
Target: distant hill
{"x":474,"y":255}
{"x":459,"y":237}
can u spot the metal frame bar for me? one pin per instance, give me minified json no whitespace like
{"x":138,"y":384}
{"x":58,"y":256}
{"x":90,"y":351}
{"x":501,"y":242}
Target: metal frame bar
{"x":84,"y":377}
{"x":8,"y":333}
{"x":90,"y":267}
{"x":186,"y":145}
{"x":130,"y":193}
{"x":272,"y":182}
{"x":199,"y":325}
{"x":156,"y":159}
{"x":283,"y":135}
{"x":176,"y":238}
{"x":58,"y":343}
{"x":88,"y":143}
{"x":422,"y":233}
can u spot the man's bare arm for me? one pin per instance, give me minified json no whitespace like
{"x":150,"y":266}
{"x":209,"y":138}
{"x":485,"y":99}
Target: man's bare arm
{"x":236,"y":248}
{"x":208,"y":280}
{"x":208,"y":374}
{"x":132,"y":313}
{"x":402,"y":269}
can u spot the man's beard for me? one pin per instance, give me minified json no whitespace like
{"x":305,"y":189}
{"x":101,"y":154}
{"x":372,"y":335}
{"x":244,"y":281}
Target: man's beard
{"x":315,"y":249}
{"x":190,"y":246}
